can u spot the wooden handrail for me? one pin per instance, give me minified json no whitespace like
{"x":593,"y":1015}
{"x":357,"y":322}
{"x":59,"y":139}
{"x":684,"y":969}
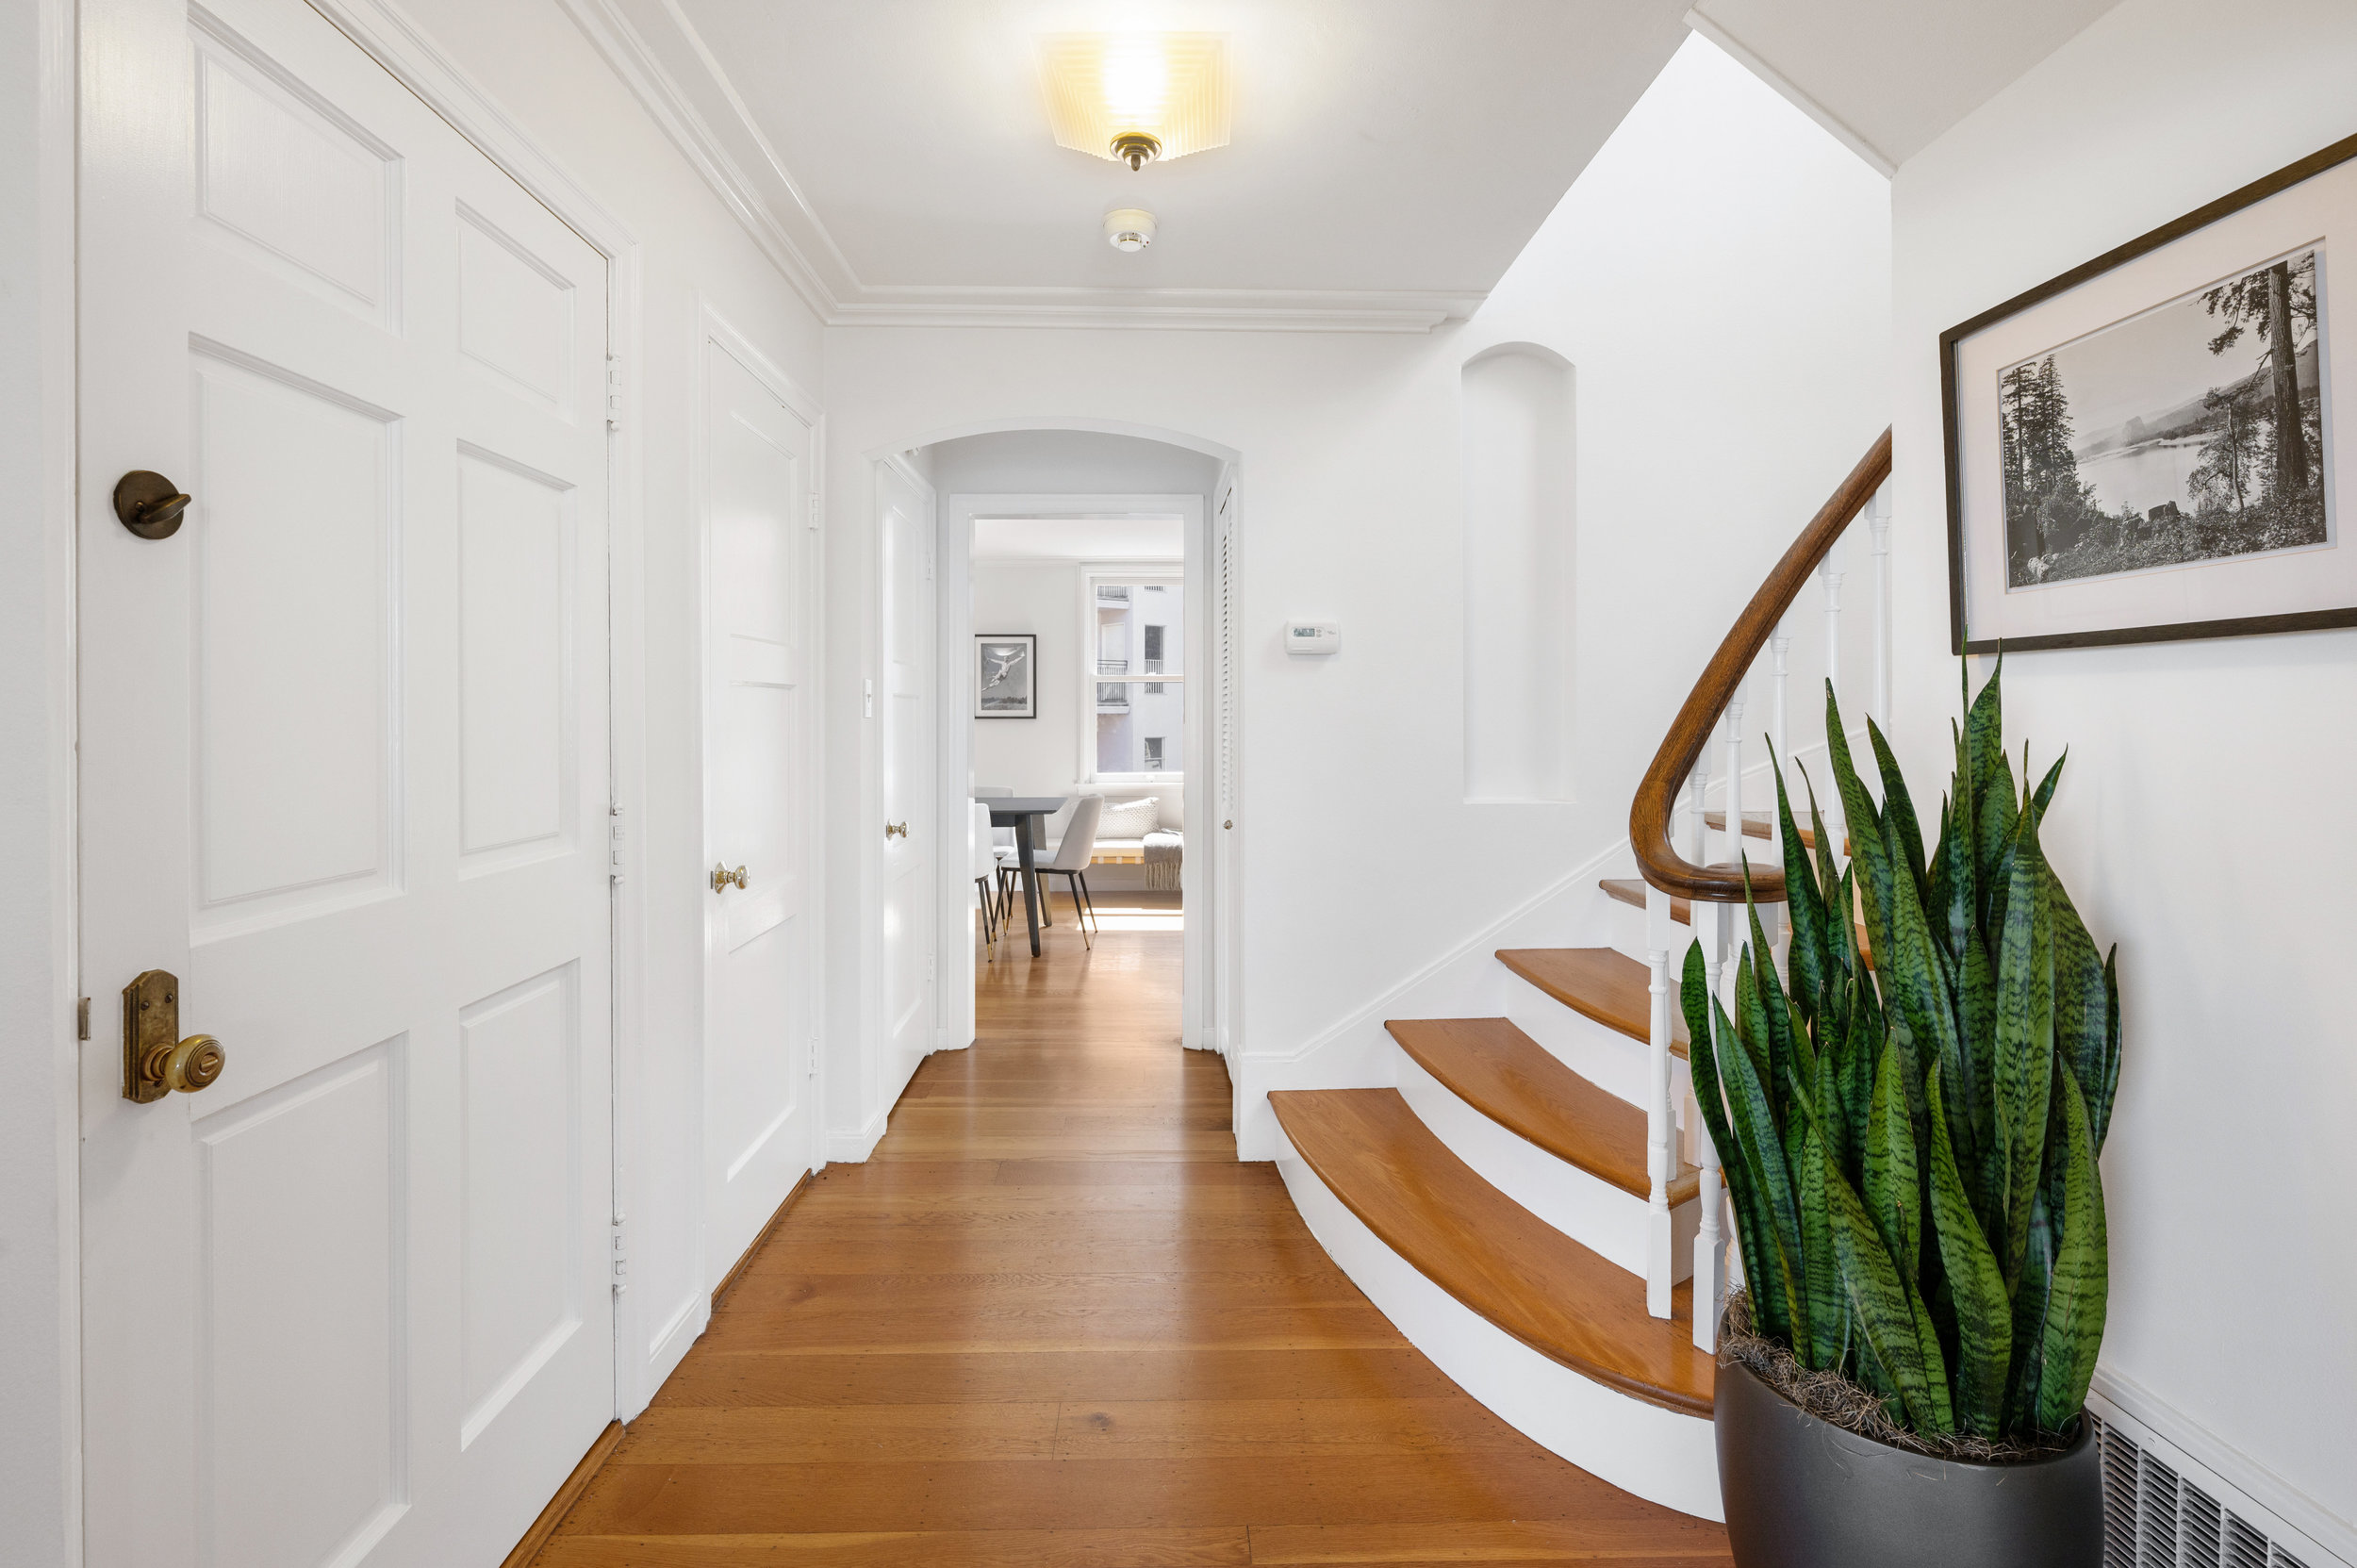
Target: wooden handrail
{"x":1657,"y":795}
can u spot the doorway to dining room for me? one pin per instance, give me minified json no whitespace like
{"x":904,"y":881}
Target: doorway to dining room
{"x":1074,"y":596}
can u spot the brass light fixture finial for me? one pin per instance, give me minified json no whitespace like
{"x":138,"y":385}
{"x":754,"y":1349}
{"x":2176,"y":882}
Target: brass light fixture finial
{"x":1136,"y":148}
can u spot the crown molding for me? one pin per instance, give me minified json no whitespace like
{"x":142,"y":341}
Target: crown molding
{"x":626,"y":51}
{"x":746,"y":173}
{"x":1198,"y":310}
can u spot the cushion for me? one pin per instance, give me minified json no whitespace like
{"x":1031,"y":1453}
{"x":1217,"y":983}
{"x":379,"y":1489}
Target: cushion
{"x":1129,"y":819}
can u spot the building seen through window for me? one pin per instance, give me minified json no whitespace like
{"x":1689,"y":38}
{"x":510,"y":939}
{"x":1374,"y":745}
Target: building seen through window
{"x":1140,"y":679}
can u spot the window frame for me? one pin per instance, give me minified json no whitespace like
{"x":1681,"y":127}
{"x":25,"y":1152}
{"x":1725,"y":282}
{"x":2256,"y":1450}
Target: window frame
{"x":1158,"y":573}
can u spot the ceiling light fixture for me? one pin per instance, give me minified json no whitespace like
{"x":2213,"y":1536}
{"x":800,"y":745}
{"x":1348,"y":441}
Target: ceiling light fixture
{"x":1137,"y":97}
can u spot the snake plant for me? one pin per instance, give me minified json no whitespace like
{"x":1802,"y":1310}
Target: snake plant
{"x":1909,"y":1128}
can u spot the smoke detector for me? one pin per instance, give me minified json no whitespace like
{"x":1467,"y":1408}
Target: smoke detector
{"x":1128,"y":228}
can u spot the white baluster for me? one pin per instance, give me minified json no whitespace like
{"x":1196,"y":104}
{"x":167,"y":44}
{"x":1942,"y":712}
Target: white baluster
{"x":1831,"y":574}
{"x":1660,"y":1261}
{"x":1734,"y":801}
{"x":1778,"y":647}
{"x":1878,"y":519}
{"x":1711,"y":927}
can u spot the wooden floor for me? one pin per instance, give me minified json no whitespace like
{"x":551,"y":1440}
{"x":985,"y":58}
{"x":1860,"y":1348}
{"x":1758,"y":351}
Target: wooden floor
{"x":1053,"y":1322}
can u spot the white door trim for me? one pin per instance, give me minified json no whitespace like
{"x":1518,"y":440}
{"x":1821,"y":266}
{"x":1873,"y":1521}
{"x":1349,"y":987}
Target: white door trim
{"x":954,"y":744}
{"x":45,"y":1513}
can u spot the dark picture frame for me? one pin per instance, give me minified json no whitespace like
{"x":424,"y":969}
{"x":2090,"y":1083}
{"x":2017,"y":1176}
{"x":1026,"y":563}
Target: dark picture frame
{"x":1983,"y":536}
{"x":994,"y":670}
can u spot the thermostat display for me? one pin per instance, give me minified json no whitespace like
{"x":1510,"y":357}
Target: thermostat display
{"x":1313,"y":636}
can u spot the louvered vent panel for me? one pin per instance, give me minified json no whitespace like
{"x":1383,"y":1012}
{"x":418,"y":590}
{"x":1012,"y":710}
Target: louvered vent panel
{"x":2245,"y":1547}
{"x":2156,"y":1515}
{"x":2196,"y":1527}
{"x":2174,"y":1513}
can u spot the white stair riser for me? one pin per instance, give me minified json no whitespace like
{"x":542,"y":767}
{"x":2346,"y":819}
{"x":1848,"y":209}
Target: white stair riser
{"x":1599,"y":1053}
{"x":1659,"y":1455}
{"x":1593,"y":1211}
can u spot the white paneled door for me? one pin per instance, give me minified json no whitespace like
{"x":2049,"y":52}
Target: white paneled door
{"x":759,"y":1113}
{"x":343,"y":765}
{"x":911,"y":915}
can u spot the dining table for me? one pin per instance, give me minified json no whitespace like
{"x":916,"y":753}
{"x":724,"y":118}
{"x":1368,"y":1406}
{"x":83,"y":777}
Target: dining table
{"x":1021,"y":812}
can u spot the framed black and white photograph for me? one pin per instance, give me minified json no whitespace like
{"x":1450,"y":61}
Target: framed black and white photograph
{"x":1006,"y":675}
{"x":2145,"y":448}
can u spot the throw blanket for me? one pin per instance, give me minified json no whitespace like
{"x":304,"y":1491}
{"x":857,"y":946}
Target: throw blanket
{"x":1164,"y":850}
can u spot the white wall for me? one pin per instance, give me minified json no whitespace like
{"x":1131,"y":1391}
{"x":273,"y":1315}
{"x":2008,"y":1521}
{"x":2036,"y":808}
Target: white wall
{"x":534,"y":61}
{"x":2185,"y":827}
{"x":40,"y":1440}
{"x":1717,"y":277}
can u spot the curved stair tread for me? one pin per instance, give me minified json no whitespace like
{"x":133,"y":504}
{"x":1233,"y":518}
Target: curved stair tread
{"x":1600,"y":983}
{"x":1515,"y":1081}
{"x":1631,"y":891}
{"x":1493,"y":1255}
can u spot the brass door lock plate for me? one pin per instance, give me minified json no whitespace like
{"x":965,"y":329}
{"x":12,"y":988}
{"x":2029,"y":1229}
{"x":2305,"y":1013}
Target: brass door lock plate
{"x":155,"y":1061}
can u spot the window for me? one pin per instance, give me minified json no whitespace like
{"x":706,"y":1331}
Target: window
{"x":1135,"y":719}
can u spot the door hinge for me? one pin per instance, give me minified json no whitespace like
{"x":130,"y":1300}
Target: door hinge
{"x":613,"y":391}
{"x":621,"y":1259}
{"x":81,"y":1019}
{"x":615,"y":847}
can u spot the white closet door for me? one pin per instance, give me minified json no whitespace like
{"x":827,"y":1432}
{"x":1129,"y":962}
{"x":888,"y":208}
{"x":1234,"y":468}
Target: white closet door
{"x":905,"y":518}
{"x":344,"y":779}
{"x":760,"y":1122}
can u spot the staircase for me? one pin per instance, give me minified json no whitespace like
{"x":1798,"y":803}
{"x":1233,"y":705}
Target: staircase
{"x":1532,"y":1201}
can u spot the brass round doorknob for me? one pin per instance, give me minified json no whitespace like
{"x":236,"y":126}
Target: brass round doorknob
{"x":722,"y":876}
{"x":190,"y":1066}
{"x":895,"y":830}
{"x":149,"y":504}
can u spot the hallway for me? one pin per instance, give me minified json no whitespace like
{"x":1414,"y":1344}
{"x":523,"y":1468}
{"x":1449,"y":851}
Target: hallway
{"x":1053,"y":1322}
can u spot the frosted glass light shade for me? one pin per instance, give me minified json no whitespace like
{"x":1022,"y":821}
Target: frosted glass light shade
{"x":1174,"y":87}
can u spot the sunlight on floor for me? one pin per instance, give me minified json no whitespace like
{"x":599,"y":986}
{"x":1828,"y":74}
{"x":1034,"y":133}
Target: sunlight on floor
{"x":1111,"y":917}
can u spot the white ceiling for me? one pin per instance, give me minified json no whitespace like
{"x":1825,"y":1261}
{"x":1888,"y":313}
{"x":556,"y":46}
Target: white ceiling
{"x":1893,"y":75}
{"x":1389,"y":159}
{"x":1079,"y":538}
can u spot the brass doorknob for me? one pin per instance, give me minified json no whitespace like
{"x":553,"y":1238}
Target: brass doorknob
{"x":722,"y":876}
{"x":188,"y":1067}
{"x":155,"y":1061}
{"x":149,"y":504}
{"x":895,"y":830}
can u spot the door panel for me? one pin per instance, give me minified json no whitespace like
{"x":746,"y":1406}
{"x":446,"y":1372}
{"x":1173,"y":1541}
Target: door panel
{"x":760,"y":1116}
{"x":910,"y":920}
{"x":341,"y":734}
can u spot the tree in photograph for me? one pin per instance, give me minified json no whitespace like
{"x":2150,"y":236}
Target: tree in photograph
{"x":2044,"y":494}
{"x":2228,"y":454}
{"x":2278,"y":304}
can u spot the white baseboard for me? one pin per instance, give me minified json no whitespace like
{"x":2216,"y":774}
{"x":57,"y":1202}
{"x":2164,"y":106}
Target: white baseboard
{"x":676,"y":1337}
{"x":2326,"y":1531}
{"x":853,"y":1146}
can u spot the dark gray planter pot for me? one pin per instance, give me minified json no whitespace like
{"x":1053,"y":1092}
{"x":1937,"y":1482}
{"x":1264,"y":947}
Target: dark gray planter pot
{"x":1803,"y":1493}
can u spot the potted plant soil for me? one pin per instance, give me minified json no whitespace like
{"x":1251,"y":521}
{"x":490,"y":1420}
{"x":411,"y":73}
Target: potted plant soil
{"x":1909,"y":1135}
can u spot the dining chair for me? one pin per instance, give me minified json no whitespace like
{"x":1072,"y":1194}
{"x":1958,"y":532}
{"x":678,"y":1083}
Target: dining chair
{"x":985,"y":870}
{"x":1071,"y":861}
{"x":1010,"y":858}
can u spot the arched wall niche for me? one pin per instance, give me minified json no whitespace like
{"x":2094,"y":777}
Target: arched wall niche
{"x":1517,"y":448}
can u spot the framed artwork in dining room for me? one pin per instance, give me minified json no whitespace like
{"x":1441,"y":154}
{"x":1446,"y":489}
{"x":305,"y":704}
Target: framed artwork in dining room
{"x":2145,"y":448}
{"x":1006,"y":675}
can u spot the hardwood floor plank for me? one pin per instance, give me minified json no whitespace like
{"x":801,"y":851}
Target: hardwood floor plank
{"x":1054,"y":1323}
{"x":1218,"y":1548}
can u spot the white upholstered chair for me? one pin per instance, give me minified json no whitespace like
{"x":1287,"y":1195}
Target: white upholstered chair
{"x":1071,"y":860}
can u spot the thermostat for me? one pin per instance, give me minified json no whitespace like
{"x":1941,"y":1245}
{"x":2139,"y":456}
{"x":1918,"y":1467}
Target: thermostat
{"x":1313,"y":636}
